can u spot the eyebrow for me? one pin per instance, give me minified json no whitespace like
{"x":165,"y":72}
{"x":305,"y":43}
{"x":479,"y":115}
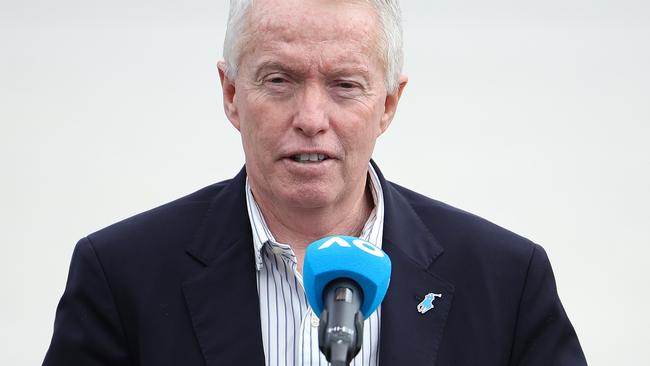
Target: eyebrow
{"x":351,"y":71}
{"x":338,"y":71}
{"x":274,"y":65}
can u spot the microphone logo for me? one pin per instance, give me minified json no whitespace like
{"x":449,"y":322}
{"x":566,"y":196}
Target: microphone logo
{"x":361,"y":244}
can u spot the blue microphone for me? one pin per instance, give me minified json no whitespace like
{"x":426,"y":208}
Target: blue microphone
{"x":345,"y":279}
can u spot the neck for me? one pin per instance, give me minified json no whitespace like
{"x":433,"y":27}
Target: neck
{"x":300,"y":227}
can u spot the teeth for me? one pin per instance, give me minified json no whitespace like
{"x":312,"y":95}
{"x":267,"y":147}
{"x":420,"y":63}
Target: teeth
{"x":303,"y":158}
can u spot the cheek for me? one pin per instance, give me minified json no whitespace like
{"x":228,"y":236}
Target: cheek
{"x":252,"y":119}
{"x":362,"y":126}
{"x":358,"y":141}
{"x":263,"y":113}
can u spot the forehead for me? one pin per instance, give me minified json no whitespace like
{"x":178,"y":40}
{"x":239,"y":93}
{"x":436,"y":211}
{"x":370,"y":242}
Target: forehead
{"x":333,"y":31}
{"x":301,"y":18}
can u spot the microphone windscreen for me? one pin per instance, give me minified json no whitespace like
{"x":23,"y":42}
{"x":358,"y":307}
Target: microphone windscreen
{"x":346,"y":257}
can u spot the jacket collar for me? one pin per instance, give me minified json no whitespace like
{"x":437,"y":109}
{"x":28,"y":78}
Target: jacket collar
{"x":222,"y":299}
{"x":225,"y":222}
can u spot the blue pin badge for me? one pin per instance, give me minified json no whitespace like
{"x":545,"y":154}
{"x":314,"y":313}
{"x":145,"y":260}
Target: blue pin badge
{"x":427,"y":303}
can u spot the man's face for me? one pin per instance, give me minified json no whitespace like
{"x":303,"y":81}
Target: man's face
{"x":309,"y":100}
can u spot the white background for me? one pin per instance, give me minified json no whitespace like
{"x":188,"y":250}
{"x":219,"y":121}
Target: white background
{"x":533,"y":114}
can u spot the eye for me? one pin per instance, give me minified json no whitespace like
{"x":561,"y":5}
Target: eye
{"x":276,"y":80}
{"x":347,"y":88}
{"x":346,"y":85}
{"x":277,"y":83}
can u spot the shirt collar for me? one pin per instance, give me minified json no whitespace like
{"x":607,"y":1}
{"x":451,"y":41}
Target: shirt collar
{"x":372,"y":230}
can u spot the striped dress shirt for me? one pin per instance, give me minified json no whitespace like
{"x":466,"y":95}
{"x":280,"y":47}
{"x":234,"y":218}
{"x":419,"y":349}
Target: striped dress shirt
{"x":289,"y":327}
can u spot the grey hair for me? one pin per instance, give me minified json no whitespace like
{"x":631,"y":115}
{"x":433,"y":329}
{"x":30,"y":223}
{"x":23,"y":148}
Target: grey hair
{"x":390,"y":38}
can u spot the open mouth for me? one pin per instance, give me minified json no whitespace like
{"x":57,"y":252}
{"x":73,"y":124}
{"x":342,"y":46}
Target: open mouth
{"x":309,"y":158}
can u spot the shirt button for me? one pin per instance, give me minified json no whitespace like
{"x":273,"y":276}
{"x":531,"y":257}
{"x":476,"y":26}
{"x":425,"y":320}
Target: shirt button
{"x":314,"y":320}
{"x":277,"y":250}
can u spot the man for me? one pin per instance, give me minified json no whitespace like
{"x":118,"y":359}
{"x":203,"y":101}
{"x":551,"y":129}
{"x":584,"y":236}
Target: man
{"x":214,"y":278}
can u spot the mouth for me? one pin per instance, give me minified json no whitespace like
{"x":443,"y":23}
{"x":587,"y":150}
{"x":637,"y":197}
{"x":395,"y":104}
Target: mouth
{"x":309,"y":158}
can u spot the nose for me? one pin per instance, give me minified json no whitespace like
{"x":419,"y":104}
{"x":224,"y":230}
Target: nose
{"x":311,"y":116}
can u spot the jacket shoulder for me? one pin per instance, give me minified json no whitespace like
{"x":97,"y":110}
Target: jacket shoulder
{"x":459,"y":231}
{"x":172,"y":223}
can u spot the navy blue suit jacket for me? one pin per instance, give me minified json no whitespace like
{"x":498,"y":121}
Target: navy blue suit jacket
{"x":177,"y":286}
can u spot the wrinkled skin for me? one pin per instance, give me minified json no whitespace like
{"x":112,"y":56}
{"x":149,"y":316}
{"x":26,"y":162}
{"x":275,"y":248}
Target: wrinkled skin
{"x":310,"y":80}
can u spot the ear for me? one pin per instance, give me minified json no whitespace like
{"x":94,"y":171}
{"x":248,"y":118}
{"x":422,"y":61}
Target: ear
{"x":390,"y":104}
{"x":228,"y":89}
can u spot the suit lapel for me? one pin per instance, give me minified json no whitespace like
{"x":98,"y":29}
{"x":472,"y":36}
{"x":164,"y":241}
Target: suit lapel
{"x":409,"y":337}
{"x":222,"y":298}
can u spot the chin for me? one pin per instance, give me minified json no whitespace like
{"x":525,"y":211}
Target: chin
{"x":301,"y":197}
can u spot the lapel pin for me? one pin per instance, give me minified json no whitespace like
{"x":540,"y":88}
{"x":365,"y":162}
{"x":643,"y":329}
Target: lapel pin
{"x":427,"y":303}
